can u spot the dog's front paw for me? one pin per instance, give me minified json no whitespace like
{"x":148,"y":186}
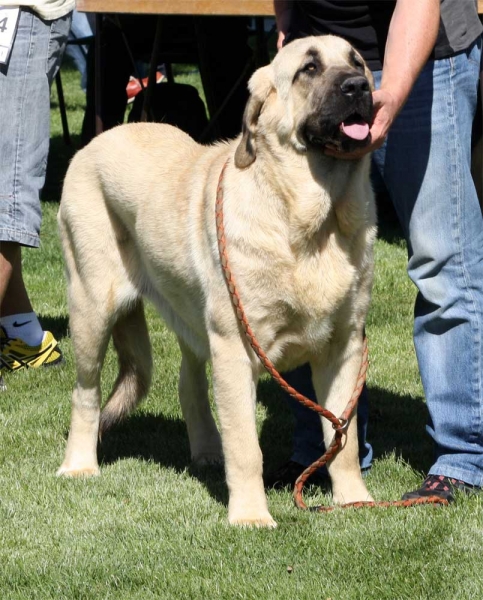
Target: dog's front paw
{"x":78,"y":471}
{"x":249,"y":510}
{"x":350,"y":494}
{"x":252,"y":520}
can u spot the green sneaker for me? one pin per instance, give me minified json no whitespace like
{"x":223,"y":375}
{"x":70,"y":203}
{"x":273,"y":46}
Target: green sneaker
{"x":16,"y":354}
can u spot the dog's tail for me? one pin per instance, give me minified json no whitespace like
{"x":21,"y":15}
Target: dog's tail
{"x":131,"y":341}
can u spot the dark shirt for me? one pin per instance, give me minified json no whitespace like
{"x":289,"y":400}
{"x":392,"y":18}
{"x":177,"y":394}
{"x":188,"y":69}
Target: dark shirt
{"x":365,"y":24}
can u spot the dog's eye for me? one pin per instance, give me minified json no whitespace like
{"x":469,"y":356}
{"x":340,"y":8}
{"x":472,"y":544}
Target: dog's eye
{"x":310,"y":67}
{"x":358,"y":63}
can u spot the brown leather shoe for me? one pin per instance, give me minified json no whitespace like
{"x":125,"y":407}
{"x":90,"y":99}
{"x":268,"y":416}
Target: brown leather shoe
{"x":440,"y":486}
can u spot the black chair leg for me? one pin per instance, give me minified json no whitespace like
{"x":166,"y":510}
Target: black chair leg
{"x":63,"y":112}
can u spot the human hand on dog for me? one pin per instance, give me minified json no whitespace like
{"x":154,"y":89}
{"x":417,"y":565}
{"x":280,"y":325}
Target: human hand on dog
{"x":386,"y":109}
{"x":412,"y":35}
{"x":280,"y":40}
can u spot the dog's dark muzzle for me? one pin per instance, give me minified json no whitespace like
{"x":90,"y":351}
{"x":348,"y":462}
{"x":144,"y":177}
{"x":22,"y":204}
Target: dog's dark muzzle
{"x":344,"y":114}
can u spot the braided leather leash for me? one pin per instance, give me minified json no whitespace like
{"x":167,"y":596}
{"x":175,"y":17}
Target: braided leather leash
{"x":339,"y":424}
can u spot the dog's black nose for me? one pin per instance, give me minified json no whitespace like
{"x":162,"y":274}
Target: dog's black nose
{"x":355,"y":86}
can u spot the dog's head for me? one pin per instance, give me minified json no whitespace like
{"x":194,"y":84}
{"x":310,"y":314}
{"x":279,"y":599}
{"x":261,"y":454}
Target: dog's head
{"x":317,"y":91}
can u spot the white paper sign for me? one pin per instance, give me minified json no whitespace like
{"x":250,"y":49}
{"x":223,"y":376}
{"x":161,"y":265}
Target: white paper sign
{"x":8,"y":29}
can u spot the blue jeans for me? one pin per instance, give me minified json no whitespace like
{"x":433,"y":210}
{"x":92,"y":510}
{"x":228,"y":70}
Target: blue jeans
{"x":80,"y":28}
{"x":425,"y":165}
{"x":25,"y":123}
{"x":308,"y":442}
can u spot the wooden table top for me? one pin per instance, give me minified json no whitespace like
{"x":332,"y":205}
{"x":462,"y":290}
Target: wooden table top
{"x":187,"y":7}
{"x":180,"y":7}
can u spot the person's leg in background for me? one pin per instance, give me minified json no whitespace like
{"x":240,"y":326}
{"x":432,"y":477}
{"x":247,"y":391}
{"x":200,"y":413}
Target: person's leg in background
{"x":117,"y":67}
{"x":80,"y":29}
{"x":426,"y":167}
{"x":228,"y":68}
{"x":308,"y":442}
{"x":25,"y":119}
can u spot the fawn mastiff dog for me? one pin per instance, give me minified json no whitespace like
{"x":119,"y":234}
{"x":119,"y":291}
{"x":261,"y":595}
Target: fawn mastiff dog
{"x":137,"y":220}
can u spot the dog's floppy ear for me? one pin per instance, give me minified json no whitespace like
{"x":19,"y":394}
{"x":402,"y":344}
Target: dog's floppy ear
{"x":260,"y":86}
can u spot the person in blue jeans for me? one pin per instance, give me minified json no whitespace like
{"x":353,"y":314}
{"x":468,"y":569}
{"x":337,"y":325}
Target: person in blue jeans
{"x":80,"y":29}
{"x":42,"y":28}
{"x":425,"y":56}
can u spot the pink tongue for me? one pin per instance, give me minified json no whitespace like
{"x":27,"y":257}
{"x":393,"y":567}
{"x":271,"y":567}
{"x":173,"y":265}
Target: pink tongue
{"x":356,"y":131}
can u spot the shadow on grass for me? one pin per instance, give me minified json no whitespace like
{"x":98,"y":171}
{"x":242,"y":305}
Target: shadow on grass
{"x":153,"y":438}
{"x":60,"y":155}
{"x":163,"y":441}
{"x":391,"y":233}
{"x":396,"y":424}
{"x":59,"y":326}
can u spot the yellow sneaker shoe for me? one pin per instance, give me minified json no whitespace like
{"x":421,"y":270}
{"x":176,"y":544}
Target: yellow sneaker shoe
{"x":16,"y":354}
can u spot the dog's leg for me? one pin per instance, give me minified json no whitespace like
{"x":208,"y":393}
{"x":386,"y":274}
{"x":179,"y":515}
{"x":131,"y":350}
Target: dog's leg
{"x":334,"y":381}
{"x":90,"y":335}
{"x":234,"y":382}
{"x":205,"y":442}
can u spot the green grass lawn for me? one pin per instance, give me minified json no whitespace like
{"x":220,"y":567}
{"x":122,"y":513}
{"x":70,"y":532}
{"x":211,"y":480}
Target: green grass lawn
{"x":152,"y":527}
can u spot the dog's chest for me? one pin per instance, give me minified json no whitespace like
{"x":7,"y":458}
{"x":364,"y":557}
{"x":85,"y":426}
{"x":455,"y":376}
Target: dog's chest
{"x":319,"y":286}
{"x":303,"y":304}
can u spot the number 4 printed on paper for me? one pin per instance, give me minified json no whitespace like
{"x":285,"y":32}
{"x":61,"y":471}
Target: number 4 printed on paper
{"x":8,"y":28}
